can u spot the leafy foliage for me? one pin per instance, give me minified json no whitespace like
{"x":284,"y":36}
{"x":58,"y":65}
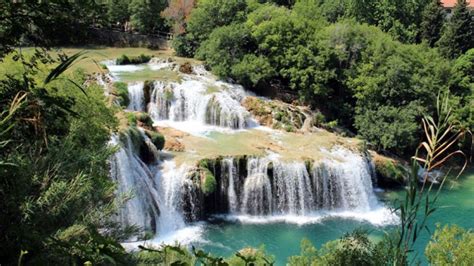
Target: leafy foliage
{"x":451,"y":245}
{"x":458,"y":35}
{"x":144,"y":15}
{"x":433,"y":21}
{"x":134,"y":60}
{"x":57,"y":195}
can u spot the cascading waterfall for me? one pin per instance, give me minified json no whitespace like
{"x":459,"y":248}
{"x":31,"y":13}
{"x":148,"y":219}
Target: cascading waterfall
{"x":172,"y":180}
{"x":275,"y":187}
{"x":134,"y":176}
{"x":166,"y":197}
{"x":197,"y":100}
{"x":136,"y":96}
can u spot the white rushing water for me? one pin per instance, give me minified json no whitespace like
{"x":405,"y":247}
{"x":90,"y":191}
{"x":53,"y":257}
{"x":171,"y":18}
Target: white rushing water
{"x":343,"y":184}
{"x":136,"y":96}
{"x":195,"y":100}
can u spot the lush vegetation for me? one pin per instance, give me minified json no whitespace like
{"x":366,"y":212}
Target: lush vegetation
{"x":374,"y":67}
{"x":55,"y":191}
{"x":366,"y":78}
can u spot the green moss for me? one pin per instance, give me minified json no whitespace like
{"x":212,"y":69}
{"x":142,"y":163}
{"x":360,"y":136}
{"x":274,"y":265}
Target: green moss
{"x":121,"y":92}
{"x":212,"y":89}
{"x":157,"y":139}
{"x":204,"y":163}
{"x":135,"y":136}
{"x":169,"y":95}
{"x":289,"y":128}
{"x":209,"y":182}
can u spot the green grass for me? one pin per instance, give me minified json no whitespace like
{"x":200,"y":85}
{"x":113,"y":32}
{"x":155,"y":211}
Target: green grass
{"x":148,"y":74}
{"x":93,"y":57}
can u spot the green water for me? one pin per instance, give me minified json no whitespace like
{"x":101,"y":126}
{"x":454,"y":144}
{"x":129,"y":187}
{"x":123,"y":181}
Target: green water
{"x":283,"y":240}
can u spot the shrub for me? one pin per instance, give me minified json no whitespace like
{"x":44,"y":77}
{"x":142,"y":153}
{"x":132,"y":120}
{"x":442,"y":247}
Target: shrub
{"x":144,"y":118}
{"x":451,"y":245}
{"x":157,"y":139}
{"x":134,"y":60}
{"x":209,"y":183}
{"x":131,"y":119}
{"x":121,"y":92}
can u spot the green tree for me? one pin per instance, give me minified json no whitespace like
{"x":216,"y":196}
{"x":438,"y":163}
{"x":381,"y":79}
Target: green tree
{"x":117,"y":11}
{"x":462,"y":89}
{"x":458,"y":35}
{"x":433,"y":21}
{"x":393,"y":89}
{"x":145,"y":15}
{"x":451,"y":245}
{"x":225,"y":48}
{"x":207,"y":16}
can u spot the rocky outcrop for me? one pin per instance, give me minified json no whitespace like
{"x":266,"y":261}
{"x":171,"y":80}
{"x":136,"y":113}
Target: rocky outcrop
{"x":279,"y":115}
{"x":390,"y":172}
{"x":173,"y":139}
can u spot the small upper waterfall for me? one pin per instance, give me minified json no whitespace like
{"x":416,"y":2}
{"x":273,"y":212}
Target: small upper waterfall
{"x":197,"y":100}
{"x":136,"y":96}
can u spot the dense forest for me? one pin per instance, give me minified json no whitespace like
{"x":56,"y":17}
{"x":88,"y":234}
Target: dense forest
{"x":374,"y":69}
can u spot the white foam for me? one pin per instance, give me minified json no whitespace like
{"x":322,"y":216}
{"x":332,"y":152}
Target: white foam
{"x":379,"y":217}
{"x":184,"y":236}
{"x":125,"y":68}
{"x":159,"y":66}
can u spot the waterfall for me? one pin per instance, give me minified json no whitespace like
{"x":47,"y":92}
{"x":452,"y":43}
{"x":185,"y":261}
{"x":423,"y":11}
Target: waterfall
{"x":229,"y":168}
{"x":172,"y":181}
{"x":134,"y":176}
{"x":158,"y":189}
{"x":136,"y":96}
{"x":257,"y":198}
{"x":215,"y":104}
{"x":276,"y":187}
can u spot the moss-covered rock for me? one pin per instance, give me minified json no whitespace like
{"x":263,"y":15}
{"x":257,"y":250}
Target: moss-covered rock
{"x":390,"y":173}
{"x":144,"y":119}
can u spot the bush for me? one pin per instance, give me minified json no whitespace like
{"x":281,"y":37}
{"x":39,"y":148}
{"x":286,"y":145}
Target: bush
{"x":131,"y":119}
{"x":121,"y":92}
{"x":451,"y":245}
{"x":133,"y":60}
{"x":157,"y":139}
{"x":209,"y":183}
{"x":144,"y":118}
